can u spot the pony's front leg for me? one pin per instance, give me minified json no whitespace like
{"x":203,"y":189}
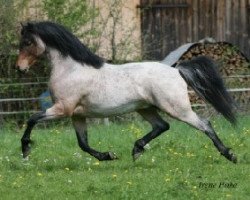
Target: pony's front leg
{"x":55,"y":111}
{"x":82,"y":138}
{"x":25,"y":141}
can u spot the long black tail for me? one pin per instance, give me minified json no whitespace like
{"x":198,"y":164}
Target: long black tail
{"x":200,"y":73}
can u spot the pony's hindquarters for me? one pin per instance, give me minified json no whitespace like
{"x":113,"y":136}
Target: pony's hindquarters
{"x":174,"y":100}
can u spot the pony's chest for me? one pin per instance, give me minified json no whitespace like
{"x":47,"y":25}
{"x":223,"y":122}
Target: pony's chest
{"x":68,"y":88}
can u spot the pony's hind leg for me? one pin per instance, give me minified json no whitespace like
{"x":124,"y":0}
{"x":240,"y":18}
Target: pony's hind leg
{"x":209,"y":131}
{"x":177,"y":105}
{"x":158,"y":127}
{"x":205,"y":126}
{"x":82,"y":138}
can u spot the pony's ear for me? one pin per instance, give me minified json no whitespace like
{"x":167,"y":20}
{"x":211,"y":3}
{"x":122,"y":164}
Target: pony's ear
{"x":26,"y":27}
{"x":30,"y":26}
{"x":23,"y":27}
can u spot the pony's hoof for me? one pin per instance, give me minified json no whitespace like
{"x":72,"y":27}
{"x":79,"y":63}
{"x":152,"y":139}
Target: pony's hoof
{"x":26,"y":159}
{"x":26,"y":152}
{"x":137,"y":155}
{"x":137,"y":152}
{"x":26,"y":148}
{"x":106,"y":156}
{"x":233,"y":158}
{"x":112,"y":156}
{"x":230,"y":156}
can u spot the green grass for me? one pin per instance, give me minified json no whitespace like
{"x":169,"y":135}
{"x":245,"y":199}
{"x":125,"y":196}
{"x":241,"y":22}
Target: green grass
{"x":172,"y":168}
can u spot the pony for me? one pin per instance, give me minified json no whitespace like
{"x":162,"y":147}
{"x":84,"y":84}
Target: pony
{"x":83,"y":85}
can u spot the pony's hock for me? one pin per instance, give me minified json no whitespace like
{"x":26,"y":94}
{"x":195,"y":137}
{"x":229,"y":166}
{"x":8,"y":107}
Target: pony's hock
{"x":84,"y":86}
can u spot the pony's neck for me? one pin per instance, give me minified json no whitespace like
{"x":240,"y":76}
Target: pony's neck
{"x":55,"y":57}
{"x":65,"y":65}
{"x":59,"y":63}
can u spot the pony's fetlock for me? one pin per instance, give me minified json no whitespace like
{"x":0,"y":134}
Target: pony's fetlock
{"x":26,"y":146}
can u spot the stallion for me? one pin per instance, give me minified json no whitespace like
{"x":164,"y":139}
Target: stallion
{"x":83,"y":85}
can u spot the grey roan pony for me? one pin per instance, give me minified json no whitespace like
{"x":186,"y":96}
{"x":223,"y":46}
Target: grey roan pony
{"x":83,"y":85}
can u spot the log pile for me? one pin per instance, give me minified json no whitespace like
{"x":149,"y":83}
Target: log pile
{"x":231,"y":60}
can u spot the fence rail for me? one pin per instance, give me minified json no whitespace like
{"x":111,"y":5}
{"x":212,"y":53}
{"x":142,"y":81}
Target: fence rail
{"x":19,"y":100}
{"x":19,"y":112}
{"x":23,"y":84}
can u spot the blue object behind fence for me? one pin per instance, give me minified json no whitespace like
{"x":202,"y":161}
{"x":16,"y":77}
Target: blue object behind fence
{"x":45,"y":100}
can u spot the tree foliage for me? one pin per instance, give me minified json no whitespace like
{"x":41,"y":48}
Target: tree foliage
{"x":73,"y":14}
{"x":7,"y":26}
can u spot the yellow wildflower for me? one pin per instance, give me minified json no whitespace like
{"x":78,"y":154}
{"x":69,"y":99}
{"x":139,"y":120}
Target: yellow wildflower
{"x":39,"y":174}
{"x":96,"y":163}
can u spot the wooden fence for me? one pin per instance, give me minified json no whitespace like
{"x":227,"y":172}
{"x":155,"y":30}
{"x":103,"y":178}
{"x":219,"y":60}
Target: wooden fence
{"x":34,"y":105}
{"x":167,"y":24}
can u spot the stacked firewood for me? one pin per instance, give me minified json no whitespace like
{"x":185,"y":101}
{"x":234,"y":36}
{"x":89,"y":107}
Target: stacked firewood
{"x":232,"y":65}
{"x":231,"y":61}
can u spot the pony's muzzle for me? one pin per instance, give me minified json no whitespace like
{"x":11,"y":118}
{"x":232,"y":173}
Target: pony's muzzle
{"x":21,"y":71}
{"x":20,"y":68}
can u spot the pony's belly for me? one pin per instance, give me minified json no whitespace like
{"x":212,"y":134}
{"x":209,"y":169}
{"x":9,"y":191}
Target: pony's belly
{"x":109,"y":110}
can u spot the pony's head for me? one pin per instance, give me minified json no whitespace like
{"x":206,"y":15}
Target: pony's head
{"x":30,"y":48}
{"x":40,"y":37}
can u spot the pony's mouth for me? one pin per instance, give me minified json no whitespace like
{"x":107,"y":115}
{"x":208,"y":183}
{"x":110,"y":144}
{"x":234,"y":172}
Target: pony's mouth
{"x":22,"y":71}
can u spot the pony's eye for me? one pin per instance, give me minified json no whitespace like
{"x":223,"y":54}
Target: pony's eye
{"x":28,"y":43}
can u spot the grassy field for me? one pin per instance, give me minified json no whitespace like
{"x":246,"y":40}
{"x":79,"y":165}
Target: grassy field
{"x":180,"y":164}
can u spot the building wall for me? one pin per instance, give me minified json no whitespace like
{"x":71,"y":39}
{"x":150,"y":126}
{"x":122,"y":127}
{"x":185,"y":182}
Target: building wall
{"x":122,"y":29}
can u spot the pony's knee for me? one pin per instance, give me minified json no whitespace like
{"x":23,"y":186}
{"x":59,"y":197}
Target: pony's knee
{"x":58,"y":110}
{"x":34,"y":118}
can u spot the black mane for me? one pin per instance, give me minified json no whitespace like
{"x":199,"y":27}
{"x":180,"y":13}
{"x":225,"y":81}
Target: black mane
{"x":58,"y":37}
